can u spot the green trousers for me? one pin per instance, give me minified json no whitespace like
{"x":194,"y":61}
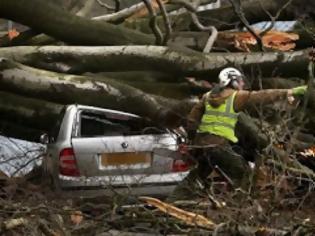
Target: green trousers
{"x":233,"y":165}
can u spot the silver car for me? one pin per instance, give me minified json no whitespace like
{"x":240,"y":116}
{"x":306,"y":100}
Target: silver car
{"x":106,"y":151}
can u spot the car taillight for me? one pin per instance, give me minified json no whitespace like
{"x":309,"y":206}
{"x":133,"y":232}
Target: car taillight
{"x":67,"y":163}
{"x":180,"y":166}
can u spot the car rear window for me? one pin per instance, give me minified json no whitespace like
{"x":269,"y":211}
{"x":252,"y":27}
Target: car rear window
{"x":111,"y":124}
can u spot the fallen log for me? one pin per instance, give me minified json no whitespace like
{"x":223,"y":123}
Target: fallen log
{"x":169,"y":90}
{"x":75,"y":59}
{"x":21,"y":39}
{"x":49,"y":18}
{"x":157,"y":83}
{"x":67,"y":89}
{"x":140,"y":76}
{"x":29,"y":112}
{"x":224,"y":18}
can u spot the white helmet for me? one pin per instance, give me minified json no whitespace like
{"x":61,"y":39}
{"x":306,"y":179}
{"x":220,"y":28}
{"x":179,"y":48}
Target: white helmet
{"x":227,"y":75}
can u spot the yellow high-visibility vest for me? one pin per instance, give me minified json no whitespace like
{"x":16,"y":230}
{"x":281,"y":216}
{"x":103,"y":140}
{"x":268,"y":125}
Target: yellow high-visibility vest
{"x":220,"y":120}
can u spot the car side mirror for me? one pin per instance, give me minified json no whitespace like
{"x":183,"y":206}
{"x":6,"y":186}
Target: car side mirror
{"x":44,"y":139}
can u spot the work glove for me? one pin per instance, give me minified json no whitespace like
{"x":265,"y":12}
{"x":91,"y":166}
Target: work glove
{"x":299,"y":91}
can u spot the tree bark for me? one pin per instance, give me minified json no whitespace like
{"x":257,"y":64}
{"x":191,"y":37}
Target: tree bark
{"x":48,"y":18}
{"x":26,"y":111}
{"x":67,"y":89}
{"x":74,"y":59}
{"x":224,"y":18}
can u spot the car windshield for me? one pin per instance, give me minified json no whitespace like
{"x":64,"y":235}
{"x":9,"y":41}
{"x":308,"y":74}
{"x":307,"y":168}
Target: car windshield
{"x":111,"y":124}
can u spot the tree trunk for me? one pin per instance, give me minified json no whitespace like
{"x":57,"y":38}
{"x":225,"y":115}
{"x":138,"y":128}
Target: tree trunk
{"x":72,"y":59}
{"x":67,"y":89}
{"x":224,"y":18}
{"x":29,"y":112}
{"x":48,"y":18}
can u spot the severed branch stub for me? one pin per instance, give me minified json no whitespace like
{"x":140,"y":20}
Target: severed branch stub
{"x":238,"y":9}
{"x":167,"y":23}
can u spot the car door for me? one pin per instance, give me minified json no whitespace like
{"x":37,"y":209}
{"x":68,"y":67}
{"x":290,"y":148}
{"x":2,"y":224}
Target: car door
{"x":112,"y":143}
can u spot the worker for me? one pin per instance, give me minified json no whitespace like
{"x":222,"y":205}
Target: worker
{"x":212,"y":122}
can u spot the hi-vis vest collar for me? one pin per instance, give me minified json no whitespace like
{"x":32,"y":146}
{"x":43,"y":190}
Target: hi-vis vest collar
{"x":220,"y":120}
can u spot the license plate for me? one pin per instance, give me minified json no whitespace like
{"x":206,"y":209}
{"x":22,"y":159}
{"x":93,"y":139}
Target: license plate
{"x":126,"y":160}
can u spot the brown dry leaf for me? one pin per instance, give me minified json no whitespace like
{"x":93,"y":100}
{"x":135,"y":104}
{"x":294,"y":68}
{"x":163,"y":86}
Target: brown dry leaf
{"x":273,"y":39}
{"x":189,"y":218}
{"x":264,"y":177}
{"x":76,"y":217}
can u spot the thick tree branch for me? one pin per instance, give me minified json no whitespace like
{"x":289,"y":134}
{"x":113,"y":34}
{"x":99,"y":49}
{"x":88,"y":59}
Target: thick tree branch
{"x":67,"y":89}
{"x":52,"y":20}
{"x":153,"y":23}
{"x":96,"y":59}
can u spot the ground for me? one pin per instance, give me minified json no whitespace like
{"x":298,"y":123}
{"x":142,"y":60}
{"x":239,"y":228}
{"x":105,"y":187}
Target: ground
{"x":278,"y":208}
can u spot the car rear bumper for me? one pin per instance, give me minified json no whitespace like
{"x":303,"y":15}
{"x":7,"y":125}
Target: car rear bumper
{"x":157,"y":185}
{"x":154,"y":191}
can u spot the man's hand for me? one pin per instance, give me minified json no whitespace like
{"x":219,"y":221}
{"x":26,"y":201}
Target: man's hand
{"x":299,"y":91}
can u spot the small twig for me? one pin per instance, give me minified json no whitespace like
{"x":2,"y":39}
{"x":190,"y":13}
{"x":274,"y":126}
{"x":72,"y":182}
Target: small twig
{"x":189,"y":7}
{"x":213,"y":36}
{"x":273,"y":18}
{"x":120,"y":15}
{"x":153,"y":23}
{"x":217,"y":229}
{"x":45,"y":229}
{"x":108,"y":7}
{"x":26,"y":164}
{"x":86,"y":8}
{"x":167,"y":23}
{"x":240,"y":13}
{"x":214,"y":33}
{"x":224,"y":175}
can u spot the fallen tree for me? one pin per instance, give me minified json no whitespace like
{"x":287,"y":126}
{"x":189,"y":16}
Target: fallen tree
{"x":36,"y":82}
{"x":49,"y":18}
{"x":67,"y":89}
{"x":72,"y":59}
{"x":225,"y":17}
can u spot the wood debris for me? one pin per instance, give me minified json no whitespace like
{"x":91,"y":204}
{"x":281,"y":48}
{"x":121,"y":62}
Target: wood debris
{"x":76,"y":217}
{"x":243,"y":41}
{"x":189,"y":218}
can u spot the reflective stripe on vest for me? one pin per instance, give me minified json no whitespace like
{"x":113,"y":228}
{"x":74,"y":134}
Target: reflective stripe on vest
{"x":220,"y":120}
